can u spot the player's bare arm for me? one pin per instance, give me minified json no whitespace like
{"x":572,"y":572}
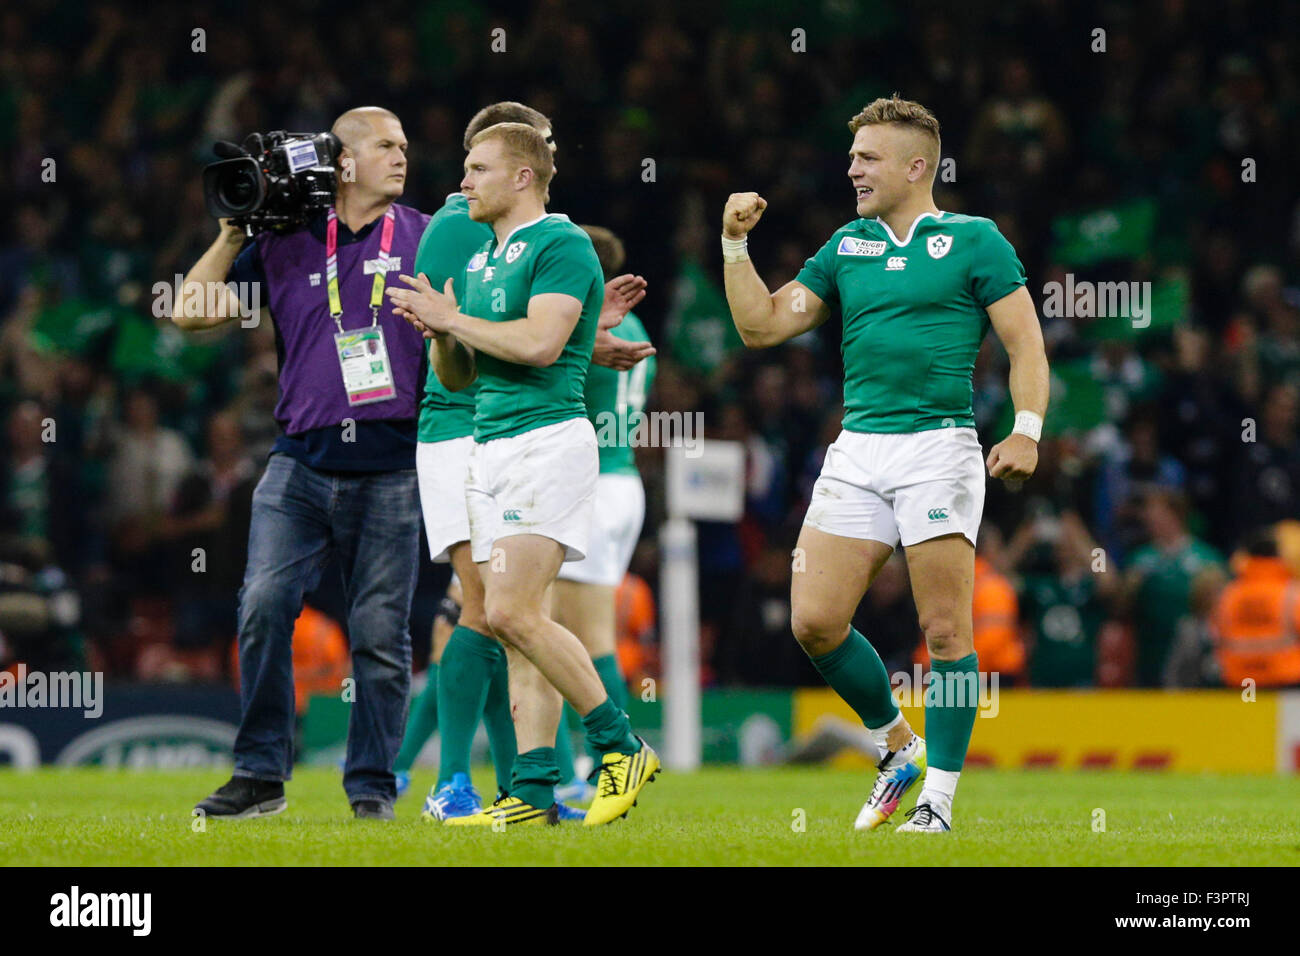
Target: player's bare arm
{"x":538,"y":339}
{"x":622,"y":294}
{"x":1015,"y":321}
{"x":453,"y":362}
{"x":420,"y":305}
{"x":762,"y":318}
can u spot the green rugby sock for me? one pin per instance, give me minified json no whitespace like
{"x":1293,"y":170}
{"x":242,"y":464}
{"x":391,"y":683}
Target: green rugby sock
{"x":500,"y":724}
{"x":611,"y":675}
{"x":463,"y":679}
{"x":536,"y":777}
{"x":950,"y":710}
{"x":420,"y":724}
{"x":855,"y":672}
{"x":564,"y":747}
{"x":608,"y":729}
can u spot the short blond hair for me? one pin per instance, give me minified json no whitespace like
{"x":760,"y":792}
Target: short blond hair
{"x":907,"y":114}
{"x":525,"y":145}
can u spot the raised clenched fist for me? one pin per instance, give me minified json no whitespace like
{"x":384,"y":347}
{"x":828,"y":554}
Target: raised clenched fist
{"x":741,"y":214}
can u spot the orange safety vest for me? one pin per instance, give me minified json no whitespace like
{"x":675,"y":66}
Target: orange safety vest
{"x":634,"y":614}
{"x":1256,"y":626}
{"x":320,"y":656}
{"x":995,"y":615}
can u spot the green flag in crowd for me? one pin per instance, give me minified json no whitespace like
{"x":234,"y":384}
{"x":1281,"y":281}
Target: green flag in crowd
{"x":1123,"y":231}
{"x":1078,"y":403}
{"x":74,"y":326}
{"x":700,"y":332}
{"x":1164,"y":304}
{"x":143,"y":349}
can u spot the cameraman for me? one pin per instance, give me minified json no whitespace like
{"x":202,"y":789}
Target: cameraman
{"x":341,"y":479}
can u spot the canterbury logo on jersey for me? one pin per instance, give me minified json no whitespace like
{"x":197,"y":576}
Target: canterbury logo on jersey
{"x":937,"y":514}
{"x":511,"y":515}
{"x":896,"y":264}
{"x":861,"y":247}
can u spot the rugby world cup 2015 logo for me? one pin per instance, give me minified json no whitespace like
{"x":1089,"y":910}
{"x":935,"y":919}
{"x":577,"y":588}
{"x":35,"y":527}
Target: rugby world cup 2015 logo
{"x":849,"y":246}
{"x":478,"y":261}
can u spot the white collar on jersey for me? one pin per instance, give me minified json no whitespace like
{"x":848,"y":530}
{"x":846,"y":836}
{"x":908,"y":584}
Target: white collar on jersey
{"x":525,"y":225}
{"x":893,"y":238}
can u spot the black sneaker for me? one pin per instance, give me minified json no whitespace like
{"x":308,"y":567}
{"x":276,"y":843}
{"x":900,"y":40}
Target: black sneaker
{"x":373,"y":810}
{"x":241,"y":798}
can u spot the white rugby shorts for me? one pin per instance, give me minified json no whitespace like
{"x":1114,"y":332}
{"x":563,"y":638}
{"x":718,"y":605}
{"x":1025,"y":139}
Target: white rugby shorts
{"x":541,"y":481}
{"x":615,"y":530}
{"x":441,"y":468}
{"x":900,"y":487}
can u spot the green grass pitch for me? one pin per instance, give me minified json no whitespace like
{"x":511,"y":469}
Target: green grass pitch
{"x":727,"y":816}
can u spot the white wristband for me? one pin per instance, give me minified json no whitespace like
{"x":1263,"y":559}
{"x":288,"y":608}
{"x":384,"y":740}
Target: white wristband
{"x":735,"y":250}
{"x":1028,"y":424}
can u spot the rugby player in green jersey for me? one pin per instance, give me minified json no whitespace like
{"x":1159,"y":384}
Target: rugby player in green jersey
{"x":917,"y":289}
{"x":584,"y":592}
{"x":467,"y":675}
{"x":532,"y":298}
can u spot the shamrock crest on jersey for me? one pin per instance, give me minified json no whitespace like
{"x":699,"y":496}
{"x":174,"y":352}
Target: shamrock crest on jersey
{"x":938,"y":246}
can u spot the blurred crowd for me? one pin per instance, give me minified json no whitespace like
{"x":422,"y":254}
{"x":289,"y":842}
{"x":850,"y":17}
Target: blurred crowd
{"x":1156,"y":153}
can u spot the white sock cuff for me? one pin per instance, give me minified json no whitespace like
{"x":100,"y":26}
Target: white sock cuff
{"x":943,"y":782}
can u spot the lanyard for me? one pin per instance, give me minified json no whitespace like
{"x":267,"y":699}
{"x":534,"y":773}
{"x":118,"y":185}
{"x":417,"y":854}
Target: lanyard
{"x":332,"y":266}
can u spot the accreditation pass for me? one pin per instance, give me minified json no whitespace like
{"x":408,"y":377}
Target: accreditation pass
{"x":367,"y":374}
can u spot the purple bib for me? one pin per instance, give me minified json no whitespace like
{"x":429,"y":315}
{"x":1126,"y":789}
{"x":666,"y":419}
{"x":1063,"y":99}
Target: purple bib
{"x":311,"y":383}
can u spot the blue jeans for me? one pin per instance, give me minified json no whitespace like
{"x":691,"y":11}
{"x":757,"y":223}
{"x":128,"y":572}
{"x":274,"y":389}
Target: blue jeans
{"x":371,"y":522}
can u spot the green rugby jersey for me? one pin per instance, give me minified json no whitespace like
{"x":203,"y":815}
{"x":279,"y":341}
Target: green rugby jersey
{"x":449,"y":240}
{"x":1067,"y":616}
{"x":1164,"y":599}
{"x":913,"y":315}
{"x":616,"y":402}
{"x":547,"y":255}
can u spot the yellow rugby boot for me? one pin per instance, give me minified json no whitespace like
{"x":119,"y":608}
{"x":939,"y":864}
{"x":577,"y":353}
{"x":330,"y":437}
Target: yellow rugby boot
{"x":621,"y":778}
{"x":507,"y":811}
